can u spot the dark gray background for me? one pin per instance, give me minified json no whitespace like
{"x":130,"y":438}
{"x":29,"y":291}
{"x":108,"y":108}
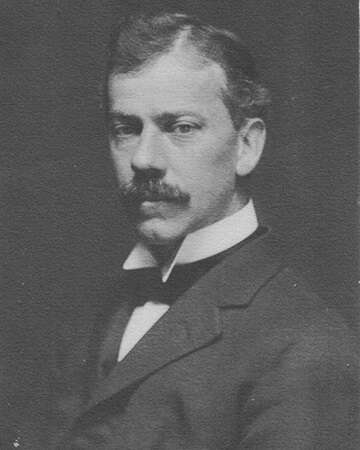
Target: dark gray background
{"x":64,"y":218}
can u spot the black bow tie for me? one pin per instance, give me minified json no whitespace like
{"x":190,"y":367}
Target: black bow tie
{"x":147,"y":284}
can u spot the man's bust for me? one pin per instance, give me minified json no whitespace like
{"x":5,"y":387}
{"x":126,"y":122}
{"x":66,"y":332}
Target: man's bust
{"x":206,"y":339}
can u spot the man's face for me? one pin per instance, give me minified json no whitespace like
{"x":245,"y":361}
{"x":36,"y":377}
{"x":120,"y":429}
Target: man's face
{"x":174,"y":146}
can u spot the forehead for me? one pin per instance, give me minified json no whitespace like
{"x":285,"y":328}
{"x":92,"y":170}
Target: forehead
{"x":177,"y":80}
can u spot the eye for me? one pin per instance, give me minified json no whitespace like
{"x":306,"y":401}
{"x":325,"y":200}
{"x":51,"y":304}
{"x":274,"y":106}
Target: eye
{"x":185,"y":128}
{"x":123,"y":130}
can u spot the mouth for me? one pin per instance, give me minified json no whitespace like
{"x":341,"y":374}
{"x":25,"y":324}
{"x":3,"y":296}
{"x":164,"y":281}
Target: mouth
{"x":151,"y":201}
{"x":151,"y":204}
{"x":154,"y":199}
{"x":151,"y":208}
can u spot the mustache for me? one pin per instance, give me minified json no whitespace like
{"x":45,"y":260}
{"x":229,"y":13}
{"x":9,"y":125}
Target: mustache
{"x":155,"y":190}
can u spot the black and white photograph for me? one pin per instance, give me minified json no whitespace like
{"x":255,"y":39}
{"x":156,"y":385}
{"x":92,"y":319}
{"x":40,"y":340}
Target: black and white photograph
{"x":179,"y":225}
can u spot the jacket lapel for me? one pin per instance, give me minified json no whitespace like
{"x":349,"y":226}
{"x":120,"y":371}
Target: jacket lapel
{"x":193,"y":321}
{"x":189,"y":324}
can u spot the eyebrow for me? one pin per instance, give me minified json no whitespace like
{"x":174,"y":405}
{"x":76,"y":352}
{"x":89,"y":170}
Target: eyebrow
{"x":162,"y":118}
{"x":172,"y":116}
{"x":118,"y":115}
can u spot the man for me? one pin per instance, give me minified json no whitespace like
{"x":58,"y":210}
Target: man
{"x":209,"y":340}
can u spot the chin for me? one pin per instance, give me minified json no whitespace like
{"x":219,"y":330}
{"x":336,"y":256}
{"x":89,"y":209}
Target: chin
{"x":159,"y":232}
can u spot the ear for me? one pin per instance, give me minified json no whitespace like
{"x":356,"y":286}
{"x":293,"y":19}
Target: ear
{"x":251,"y":141}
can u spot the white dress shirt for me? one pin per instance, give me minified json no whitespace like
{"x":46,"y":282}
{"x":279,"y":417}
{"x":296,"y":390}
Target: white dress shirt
{"x":200,"y":244}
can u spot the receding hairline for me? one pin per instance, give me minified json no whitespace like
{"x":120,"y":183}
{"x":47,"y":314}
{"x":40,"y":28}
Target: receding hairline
{"x":182,"y":45}
{"x":138,"y":42}
{"x":186,"y":50}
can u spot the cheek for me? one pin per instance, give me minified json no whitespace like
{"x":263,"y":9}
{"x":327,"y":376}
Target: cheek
{"x":121,"y":161}
{"x":225,"y":154}
{"x":211,"y":167}
{"x":224,"y":165}
{"x":208,"y":183}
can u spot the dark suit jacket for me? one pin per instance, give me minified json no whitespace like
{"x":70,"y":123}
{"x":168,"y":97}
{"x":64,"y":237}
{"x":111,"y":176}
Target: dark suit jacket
{"x":247,"y":358}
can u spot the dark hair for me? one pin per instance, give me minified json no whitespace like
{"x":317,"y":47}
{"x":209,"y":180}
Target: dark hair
{"x":137,"y":41}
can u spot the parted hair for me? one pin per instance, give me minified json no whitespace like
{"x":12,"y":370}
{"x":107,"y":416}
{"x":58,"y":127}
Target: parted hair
{"x":136,"y":41}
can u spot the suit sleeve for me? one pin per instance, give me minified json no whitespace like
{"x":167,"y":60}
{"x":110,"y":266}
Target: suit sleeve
{"x":308,"y":399}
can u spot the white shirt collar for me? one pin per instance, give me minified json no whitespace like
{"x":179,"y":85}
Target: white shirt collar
{"x":200,"y":244}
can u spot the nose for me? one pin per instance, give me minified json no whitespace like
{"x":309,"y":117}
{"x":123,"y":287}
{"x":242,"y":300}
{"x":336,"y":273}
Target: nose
{"x":148,"y":154}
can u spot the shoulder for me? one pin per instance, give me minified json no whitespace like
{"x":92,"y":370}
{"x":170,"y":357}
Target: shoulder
{"x":289,"y":303}
{"x":294,"y":332}
{"x":272,"y":303}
